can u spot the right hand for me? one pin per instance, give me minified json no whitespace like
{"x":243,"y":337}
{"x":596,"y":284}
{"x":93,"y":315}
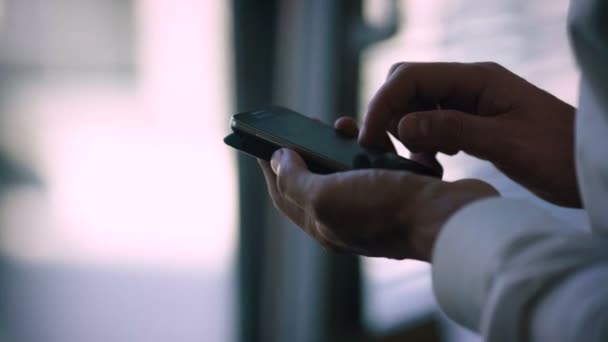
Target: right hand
{"x":484,"y":110}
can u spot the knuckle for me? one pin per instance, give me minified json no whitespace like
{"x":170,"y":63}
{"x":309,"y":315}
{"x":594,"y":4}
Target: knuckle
{"x":405,"y":68}
{"x":490,"y":66}
{"x":394,"y":68}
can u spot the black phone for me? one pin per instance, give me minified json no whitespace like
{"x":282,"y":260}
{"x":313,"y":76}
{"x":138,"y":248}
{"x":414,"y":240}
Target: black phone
{"x":262,"y":131}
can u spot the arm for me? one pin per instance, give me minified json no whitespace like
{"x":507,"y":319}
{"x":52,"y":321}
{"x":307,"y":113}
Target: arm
{"x":487,"y":112}
{"x":522,"y":277}
{"x":503,"y":267}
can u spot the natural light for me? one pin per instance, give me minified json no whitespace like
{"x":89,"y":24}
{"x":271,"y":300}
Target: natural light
{"x":138,"y":174}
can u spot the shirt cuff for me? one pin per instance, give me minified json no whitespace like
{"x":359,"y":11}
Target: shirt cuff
{"x":470,"y":250}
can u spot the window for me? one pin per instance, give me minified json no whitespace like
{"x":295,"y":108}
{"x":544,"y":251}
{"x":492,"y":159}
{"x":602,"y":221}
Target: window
{"x":1,"y":12}
{"x":119,"y":108}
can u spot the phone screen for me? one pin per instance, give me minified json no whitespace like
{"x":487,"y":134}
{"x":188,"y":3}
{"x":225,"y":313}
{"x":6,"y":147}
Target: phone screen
{"x":291,"y":129}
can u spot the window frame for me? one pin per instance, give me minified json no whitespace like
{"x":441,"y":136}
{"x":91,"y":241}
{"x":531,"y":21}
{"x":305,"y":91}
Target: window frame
{"x":304,"y":55}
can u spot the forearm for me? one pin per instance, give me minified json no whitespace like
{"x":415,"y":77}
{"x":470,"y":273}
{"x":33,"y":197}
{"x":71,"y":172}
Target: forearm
{"x":497,"y":262}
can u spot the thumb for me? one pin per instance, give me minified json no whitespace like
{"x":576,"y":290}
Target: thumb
{"x":288,"y":162}
{"x":294,"y":180}
{"x":449,"y":131}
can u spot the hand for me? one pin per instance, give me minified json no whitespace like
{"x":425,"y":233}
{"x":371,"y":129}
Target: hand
{"x":381,"y":213}
{"x":483,"y":110}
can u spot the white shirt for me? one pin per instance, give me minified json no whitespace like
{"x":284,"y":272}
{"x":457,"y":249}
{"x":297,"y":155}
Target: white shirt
{"x":513,"y":272}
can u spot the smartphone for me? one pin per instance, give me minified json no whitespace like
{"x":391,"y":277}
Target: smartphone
{"x":262,"y":131}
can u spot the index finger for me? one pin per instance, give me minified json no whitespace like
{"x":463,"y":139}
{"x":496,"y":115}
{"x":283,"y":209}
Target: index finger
{"x":422,"y":86}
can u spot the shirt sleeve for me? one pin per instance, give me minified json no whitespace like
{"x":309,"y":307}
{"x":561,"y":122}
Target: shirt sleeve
{"x":512,"y":272}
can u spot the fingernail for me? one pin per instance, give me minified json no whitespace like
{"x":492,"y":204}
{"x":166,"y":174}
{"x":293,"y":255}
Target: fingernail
{"x":275,"y":161}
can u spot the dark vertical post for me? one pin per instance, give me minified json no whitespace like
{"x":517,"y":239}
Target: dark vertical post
{"x":305,"y":55}
{"x":254,"y":32}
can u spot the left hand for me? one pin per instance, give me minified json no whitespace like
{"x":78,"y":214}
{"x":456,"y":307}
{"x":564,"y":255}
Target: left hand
{"x":372,"y":212}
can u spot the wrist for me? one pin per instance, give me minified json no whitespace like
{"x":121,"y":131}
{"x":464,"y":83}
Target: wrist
{"x":453,"y":198}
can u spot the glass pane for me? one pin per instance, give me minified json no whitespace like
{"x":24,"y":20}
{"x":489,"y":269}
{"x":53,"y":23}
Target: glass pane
{"x":1,"y":14}
{"x":118,"y":110}
{"x":526,"y":36}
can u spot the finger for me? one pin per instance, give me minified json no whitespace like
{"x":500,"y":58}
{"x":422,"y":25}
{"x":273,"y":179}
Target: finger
{"x":421,"y":86}
{"x":379,"y":140}
{"x":428,"y":159}
{"x":297,"y":214}
{"x":347,"y":126}
{"x":393,"y":68}
{"x":317,"y":119}
{"x":450,"y":131}
{"x":294,"y":181}
{"x":292,"y":211}
{"x":270,"y":177}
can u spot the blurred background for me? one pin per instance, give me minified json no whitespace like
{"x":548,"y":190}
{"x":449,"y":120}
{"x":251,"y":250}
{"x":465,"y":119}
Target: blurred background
{"x":124,"y":217}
